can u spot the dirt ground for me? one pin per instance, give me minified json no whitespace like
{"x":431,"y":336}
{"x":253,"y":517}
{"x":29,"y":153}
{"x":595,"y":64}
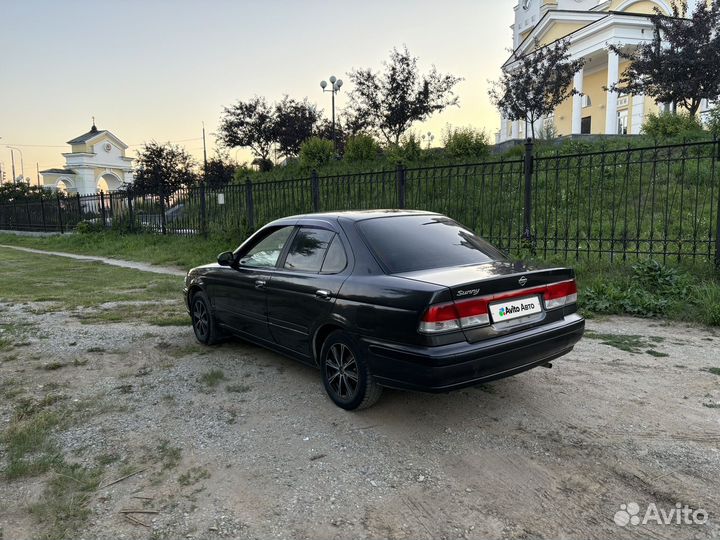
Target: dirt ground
{"x":237,"y":442}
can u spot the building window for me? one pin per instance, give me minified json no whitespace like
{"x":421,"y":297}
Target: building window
{"x":622,"y":125}
{"x":586,"y":102}
{"x":585,"y":125}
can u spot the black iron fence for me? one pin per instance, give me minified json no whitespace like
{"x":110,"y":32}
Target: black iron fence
{"x":661,"y":201}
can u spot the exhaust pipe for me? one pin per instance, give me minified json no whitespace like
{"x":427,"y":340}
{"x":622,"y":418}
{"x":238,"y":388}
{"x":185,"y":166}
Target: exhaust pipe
{"x":547,"y":365}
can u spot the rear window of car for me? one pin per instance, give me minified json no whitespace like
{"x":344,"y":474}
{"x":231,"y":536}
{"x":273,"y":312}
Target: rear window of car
{"x":410,"y":243}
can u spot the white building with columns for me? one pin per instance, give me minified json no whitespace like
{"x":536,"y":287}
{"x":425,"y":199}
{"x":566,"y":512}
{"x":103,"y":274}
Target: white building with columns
{"x":590,"y":26}
{"x":96,"y":162}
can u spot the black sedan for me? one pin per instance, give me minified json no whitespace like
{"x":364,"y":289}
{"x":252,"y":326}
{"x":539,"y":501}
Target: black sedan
{"x":403,"y":299}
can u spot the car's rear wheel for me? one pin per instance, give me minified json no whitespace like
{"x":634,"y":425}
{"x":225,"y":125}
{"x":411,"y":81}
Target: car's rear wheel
{"x":203,"y":321}
{"x":345,"y":374}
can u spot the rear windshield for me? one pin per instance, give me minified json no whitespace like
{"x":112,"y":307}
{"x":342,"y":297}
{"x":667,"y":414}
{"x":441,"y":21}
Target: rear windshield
{"x":409,"y":243}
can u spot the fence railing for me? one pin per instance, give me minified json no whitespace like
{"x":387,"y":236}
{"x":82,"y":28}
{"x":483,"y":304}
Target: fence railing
{"x":661,"y":201}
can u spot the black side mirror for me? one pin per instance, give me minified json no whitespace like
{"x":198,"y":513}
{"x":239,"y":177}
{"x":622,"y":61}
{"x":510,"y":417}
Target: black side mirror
{"x":226,"y":258}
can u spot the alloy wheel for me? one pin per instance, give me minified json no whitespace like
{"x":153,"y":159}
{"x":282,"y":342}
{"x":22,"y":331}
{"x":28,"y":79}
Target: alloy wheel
{"x":201,"y":319}
{"x":342,"y":371}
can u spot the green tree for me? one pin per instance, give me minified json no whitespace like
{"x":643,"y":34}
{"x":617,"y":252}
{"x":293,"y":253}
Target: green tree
{"x":536,"y":83}
{"x":681,"y":64}
{"x":220,"y":169}
{"x":163,"y":168}
{"x":21,"y":191}
{"x":391,"y":101}
{"x":249,"y":124}
{"x":295,"y":122}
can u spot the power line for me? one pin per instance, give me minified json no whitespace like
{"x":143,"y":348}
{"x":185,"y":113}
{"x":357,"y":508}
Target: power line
{"x":65,"y":146}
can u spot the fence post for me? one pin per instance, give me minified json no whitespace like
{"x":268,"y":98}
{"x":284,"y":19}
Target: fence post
{"x":527,"y":209}
{"x":131,"y":226}
{"x":102,"y":209}
{"x":59,"y":208}
{"x":249,"y":205}
{"x":203,"y":210}
{"x":27,"y":212}
{"x":163,"y":229}
{"x":400,"y":184}
{"x":315,"y":190}
{"x":79,"y":205}
{"x":716,"y":156}
{"x":42,"y":212}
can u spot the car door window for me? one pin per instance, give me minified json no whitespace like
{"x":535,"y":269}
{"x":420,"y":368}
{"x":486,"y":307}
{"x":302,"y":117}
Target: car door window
{"x":308,"y":248}
{"x":336,"y":259}
{"x":266,"y":252}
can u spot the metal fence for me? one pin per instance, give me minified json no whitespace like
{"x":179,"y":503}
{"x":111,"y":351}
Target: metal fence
{"x":660,"y":201}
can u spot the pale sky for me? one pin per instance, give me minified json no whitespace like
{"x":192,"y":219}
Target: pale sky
{"x":156,"y":69}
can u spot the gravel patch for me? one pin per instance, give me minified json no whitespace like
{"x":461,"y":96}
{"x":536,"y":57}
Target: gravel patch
{"x":265,"y":454}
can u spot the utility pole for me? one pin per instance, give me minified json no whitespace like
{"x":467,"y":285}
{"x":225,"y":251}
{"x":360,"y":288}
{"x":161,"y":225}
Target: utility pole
{"x":22,"y":163}
{"x":12,"y":160}
{"x":204,"y":156}
{"x":37,"y":169}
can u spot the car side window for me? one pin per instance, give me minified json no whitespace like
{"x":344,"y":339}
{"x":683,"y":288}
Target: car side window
{"x":336,"y":259}
{"x":308,"y":249}
{"x":266,"y":252}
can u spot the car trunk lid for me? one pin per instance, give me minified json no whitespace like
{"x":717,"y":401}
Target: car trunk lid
{"x":506,"y":294}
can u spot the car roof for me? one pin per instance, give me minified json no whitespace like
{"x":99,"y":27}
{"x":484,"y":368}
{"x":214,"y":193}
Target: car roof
{"x":358,"y":215}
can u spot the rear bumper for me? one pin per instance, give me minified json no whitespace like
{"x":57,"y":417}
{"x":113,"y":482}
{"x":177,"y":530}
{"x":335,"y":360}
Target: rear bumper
{"x":449,"y":367}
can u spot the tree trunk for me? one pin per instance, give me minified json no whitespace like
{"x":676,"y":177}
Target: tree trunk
{"x":694,"y":106}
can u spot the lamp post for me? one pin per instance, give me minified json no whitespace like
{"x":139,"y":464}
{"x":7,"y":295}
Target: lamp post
{"x":334,"y":89}
{"x":22,"y":163}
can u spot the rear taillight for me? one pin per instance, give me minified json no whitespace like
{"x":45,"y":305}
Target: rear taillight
{"x":560,"y":294}
{"x":440,"y":318}
{"x":473,"y":312}
{"x":455,"y":315}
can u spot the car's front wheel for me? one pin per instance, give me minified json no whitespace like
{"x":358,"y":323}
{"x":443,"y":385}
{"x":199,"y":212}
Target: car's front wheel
{"x":345,"y":374}
{"x":203,"y":321}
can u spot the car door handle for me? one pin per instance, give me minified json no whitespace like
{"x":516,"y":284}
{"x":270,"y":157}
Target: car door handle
{"x":323,"y":294}
{"x":260,"y":283}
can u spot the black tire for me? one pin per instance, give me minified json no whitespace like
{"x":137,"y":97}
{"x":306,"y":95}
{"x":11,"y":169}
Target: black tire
{"x":203,"y":320}
{"x":345,"y":374}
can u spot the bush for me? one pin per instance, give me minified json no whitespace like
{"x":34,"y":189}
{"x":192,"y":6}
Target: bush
{"x":87,"y":227}
{"x":651,"y":290}
{"x":713,"y":122}
{"x":316,"y":152}
{"x":465,"y":142}
{"x":361,"y":147}
{"x":669,"y":125}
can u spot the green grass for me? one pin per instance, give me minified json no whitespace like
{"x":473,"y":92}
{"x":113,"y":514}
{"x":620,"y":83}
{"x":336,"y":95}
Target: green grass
{"x":193,"y":476}
{"x":157,"y":314}
{"x":687,"y":292}
{"x":63,"y":507}
{"x":212,"y":378}
{"x":238,"y":388}
{"x":71,"y":284}
{"x":170,"y":456}
{"x":646,"y":289}
{"x":713,"y":370}
{"x":625,"y":342}
{"x":181,"y":252}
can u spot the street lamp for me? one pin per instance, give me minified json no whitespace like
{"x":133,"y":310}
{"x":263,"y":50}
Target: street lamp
{"x":22,"y":163}
{"x":334,"y":89}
